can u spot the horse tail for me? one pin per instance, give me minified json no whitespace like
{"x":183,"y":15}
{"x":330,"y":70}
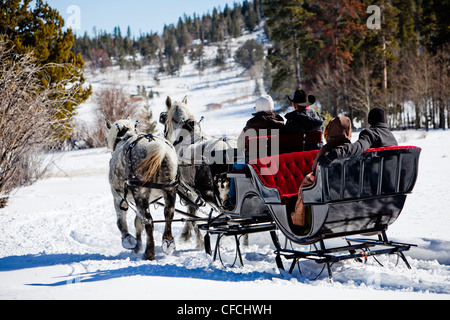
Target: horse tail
{"x":152,"y":163}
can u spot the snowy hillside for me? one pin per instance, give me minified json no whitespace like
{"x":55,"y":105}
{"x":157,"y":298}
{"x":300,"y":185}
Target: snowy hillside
{"x":228,"y":89}
{"x":59,"y":239}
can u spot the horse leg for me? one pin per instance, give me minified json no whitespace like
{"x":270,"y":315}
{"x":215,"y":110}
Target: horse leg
{"x":168,"y":245}
{"x":143,"y":206}
{"x":198,"y":236}
{"x":139,"y":228}
{"x":186,"y":234}
{"x":128,"y":241}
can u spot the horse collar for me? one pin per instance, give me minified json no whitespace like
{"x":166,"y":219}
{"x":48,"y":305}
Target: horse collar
{"x":149,"y":137}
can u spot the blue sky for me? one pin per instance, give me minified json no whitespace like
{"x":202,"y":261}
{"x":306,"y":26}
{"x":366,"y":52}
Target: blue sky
{"x":141,"y":15}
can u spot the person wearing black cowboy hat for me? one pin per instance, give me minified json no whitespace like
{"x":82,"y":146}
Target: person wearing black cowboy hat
{"x":376,"y":136}
{"x":303,"y":119}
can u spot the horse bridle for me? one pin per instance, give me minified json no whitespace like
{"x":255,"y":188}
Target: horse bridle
{"x":121,"y":134}
{"x":163,"y":117}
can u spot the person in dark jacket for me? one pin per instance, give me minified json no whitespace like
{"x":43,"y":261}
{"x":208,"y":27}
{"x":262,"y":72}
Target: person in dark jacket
{"x":263,"y":119}
{"x":338,"y":133}
{"x":303,"y":119}
{"x":377,"y":136}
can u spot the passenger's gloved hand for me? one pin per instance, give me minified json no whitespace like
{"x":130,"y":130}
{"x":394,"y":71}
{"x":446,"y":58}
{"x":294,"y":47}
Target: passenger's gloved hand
{"x":326,"y":159}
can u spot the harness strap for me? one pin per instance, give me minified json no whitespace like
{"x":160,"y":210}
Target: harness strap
{"x":139,"y":184}
{"x":184,"y":191}
{"x":135,"y":183}
{"x":132,"y":145}
{"x":149,"y":137}
{"x":124,"y":203}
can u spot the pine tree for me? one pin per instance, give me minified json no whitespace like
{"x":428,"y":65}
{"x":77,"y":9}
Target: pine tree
{"x":197,"y":54}
{"x":129,"y":43}
{"x":40,"y":30}
{"x":119,"y":44}
{"x":220,"y":59}
{"x":337,"y":31}
{"x":170,"y":46}
{"x":287,"y":30}
{"x":406,"y":25}
{"x":433,"y":26}
{"x":236,"y":23}
{"x":249,"y":54}
{"x":286,"y":21}
{"x":174,"y":57}
{"x":251,"y":18}
{"x":183,"y":37}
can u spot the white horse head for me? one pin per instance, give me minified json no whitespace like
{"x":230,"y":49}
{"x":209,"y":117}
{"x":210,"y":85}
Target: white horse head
{"x":120,"y":130}
{"x":179,"y":120}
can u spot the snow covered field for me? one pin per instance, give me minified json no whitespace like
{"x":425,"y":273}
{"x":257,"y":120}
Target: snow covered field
{"x":59,"y":239}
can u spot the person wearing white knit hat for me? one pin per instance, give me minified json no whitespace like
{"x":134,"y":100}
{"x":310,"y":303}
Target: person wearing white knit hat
{"x":264,"y":119}
{"x":264,"y":104}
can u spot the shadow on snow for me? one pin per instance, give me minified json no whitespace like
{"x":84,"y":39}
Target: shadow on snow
{"x":152,"y":269}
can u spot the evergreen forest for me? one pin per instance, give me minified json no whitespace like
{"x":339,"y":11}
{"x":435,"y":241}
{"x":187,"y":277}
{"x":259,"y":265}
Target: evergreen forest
{"x":352,"y":54}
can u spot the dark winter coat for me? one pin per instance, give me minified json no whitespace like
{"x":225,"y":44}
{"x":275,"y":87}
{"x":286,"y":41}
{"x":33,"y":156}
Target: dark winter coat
{"x":302,"y":121}
{"x":377,"y":136}
{"x":260,"y":121}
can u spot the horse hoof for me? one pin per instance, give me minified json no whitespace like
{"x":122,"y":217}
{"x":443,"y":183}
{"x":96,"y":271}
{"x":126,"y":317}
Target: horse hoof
{"x":129,"y":242}
{"x":168,"y":247}
{"x":149,"y":256}
{"x":138,"y":247}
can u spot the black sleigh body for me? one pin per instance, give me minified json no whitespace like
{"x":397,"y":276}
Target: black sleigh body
{"x":359,"y":195}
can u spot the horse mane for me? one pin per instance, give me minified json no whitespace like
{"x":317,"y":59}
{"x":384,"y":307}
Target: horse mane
{"x":111,"y":138}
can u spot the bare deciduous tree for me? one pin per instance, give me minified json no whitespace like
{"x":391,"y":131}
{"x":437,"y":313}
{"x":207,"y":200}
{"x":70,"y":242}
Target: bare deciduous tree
{"x":28,"y":124}
{"x":113,"y":104}
{"x":364,"y":93}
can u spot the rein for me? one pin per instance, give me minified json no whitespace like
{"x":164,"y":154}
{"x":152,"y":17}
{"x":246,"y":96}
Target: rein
{"x":135,"y":183}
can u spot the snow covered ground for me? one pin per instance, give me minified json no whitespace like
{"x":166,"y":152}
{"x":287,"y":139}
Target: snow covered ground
{"x":59,"y":240}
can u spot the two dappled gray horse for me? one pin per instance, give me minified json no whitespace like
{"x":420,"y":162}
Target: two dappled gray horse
{"x":145,"y":168}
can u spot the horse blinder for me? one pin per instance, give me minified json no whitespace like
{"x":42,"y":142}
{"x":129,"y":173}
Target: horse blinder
{"x":121,"y":132}
{"x":189,"y":124}
{"x":163,"y":118}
